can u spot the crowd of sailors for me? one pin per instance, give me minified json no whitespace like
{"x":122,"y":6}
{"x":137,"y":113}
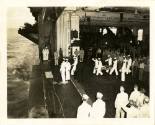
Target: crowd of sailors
{"x":135,"y":105}
{"x":113,"y":62}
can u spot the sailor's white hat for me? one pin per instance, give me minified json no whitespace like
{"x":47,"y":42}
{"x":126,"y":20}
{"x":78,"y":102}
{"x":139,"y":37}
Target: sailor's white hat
{"x":85,"y":97}
{"x":146,"y":99}
{"x":99,"y":95}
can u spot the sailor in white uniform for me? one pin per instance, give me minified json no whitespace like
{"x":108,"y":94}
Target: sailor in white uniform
{"x":129,"y":63}
{"x":98,"y":107}
{"x":95,"y":66}
{"x":142,"y":96}
{"x":135,"y":94}
{"x":45,"y":52}
{"x":109,"y":60}
{"x":121,"y":101}
{"x":84,"y":109}
{"x":74,"y":65}
{"x":99,"y":67}
{"x":123,"y":69}
{"x":63,"y":71}
{"x":114,"y":67}
{"x":68,"y":68}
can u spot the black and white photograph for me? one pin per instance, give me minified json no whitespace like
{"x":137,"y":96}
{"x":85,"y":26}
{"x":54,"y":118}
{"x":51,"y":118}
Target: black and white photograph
{"x":78,"y":62}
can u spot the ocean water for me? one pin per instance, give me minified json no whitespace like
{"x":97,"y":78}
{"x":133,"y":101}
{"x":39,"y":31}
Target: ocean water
{"x":22,"y":54}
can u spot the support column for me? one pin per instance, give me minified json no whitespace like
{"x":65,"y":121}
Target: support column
{"x":41,"y":34}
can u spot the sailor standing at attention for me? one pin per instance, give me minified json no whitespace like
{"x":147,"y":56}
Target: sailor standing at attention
{"x":63,"y":71}
{"x":68,"y":68}
{"x":123,"y":69}
{"x":84,"y":109}
{"x":98,"y":107}
{"x":121,"y":101}
{"x":45,"y":52}
{"x":129,"y":63}
{"x":135,"y":95}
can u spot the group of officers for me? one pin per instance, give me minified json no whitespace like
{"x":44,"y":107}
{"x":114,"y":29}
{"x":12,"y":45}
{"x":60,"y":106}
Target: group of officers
{"x":136,"y":106}
{"x":111,"y":64}
{"x":66,"y":69}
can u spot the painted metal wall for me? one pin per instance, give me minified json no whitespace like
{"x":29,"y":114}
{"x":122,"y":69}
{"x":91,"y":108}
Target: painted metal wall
{"x":65,"y":23}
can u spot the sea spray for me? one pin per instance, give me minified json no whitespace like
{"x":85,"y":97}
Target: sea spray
{"x":22,"y":54}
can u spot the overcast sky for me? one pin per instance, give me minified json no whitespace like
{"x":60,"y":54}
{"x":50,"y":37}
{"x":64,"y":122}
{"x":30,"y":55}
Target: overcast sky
{"x":17,"y":16}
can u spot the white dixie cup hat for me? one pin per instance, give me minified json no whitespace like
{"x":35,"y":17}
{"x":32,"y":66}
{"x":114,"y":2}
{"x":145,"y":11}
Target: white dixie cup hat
{"x":99,"y":95}
{"x":85,"y":97}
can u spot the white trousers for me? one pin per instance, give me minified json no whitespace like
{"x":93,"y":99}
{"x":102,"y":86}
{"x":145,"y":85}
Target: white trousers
{"x":119,"y":113}
{"x":95,"y":70}
{"x":67,"y":75}
{"x":128,"y":69}
{"x":45,"y":57}
{"x":123,"y":76}
{"x":73,"y":70}
{"x":56,"y":62}
{"x":108,"y":69}
{"x":63,"y":76}
{"x":114,"y":69}
{"x":99,"y":71}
